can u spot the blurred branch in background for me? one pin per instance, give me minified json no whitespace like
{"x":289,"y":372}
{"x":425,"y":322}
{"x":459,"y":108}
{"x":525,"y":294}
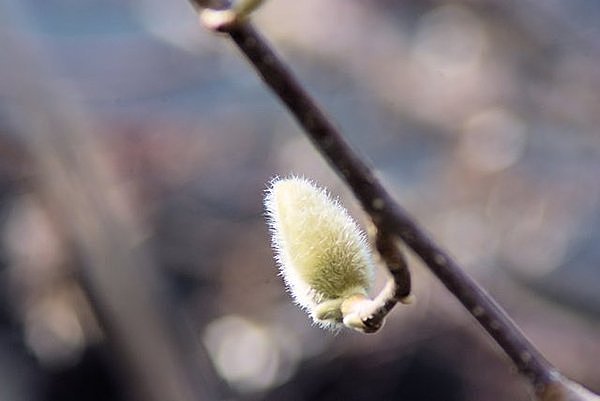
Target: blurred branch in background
{"x":120,"y":278}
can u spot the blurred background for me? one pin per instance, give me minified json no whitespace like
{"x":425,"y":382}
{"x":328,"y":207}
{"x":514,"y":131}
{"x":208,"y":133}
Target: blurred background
{"x":482,"y":117}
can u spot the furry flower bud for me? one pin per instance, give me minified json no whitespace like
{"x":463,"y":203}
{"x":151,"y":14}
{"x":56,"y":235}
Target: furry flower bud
{"x":322,"y":254}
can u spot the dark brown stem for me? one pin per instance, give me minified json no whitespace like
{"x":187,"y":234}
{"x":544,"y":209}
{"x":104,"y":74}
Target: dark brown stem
{"x":386,"y":214}
{"x":389,"y":249}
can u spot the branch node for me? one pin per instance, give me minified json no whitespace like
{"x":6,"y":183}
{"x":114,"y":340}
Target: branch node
{"x":226,"y":19}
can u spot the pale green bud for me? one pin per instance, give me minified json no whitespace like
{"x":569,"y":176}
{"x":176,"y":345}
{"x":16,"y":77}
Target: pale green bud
{"x":323,"y":256}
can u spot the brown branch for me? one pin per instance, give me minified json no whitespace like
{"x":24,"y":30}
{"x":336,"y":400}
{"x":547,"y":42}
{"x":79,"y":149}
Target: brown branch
{"x":391,"y":219}
{"x":158,"y":353}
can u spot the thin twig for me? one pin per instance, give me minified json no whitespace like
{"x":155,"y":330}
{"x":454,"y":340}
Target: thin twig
{"x":397,"y":289}
{"x":389,"y":217}
{"x":390,"y":252}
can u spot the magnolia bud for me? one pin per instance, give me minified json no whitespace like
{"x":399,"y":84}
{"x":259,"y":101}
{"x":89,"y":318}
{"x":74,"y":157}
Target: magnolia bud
{"x":322,"y":254}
